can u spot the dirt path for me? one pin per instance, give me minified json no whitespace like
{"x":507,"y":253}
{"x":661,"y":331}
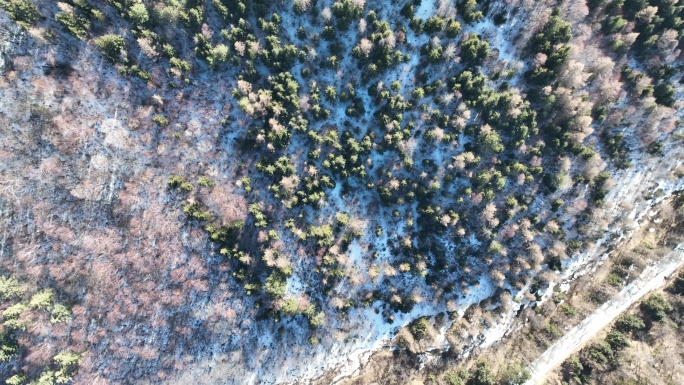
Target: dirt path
{"x":652,"y":278}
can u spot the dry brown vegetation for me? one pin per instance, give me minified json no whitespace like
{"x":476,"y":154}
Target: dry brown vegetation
{"x":654,"y":354}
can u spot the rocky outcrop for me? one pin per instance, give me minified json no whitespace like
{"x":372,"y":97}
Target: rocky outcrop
{"x":12,"y":42}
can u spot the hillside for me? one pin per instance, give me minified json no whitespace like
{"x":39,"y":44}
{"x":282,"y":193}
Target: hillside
{"x":247,"y":191}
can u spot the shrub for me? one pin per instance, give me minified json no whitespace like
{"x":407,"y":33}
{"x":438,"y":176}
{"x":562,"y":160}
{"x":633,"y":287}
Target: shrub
{"x":482,"y":375}
{"x":617,"y":340}
{"x":598,"y":354}
{"x":42,"y":299}
{"x":655,"y":306}
{"x":186,"y":186}
{"x":21,"y":11}
{"x":205,"y":182}
{"x":161,"y":120}
{"x":567,"y":309}
{"x":553,"y":331}
{"x":629,"y":323}
{"x":514,"y":374}
{"x":419,"y":327}
{"x":9,"y":288}
{"x":456,"y":378}
{"x":614,"y":280}
{"x":135,"y":70}
{"x":573,"y":370}
{"x":677,"y":286}
{"x":138,"y":14}
{"x":175,"y":181}
{"x":111,"y":46}
{"x":434,"y":24}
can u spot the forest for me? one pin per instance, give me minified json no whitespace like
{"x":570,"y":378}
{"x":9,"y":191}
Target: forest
{"x":248,"y":185}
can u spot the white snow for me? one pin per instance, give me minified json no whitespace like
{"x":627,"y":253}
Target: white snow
{"x":426,"y":9}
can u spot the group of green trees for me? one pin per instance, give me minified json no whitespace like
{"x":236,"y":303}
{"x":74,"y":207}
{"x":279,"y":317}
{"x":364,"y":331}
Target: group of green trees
{"x":287,"y":96}
{"x":652,"y":39}
{"x":18,"y":313}
{"x":21,"y":11}
{"x":505,"y":123}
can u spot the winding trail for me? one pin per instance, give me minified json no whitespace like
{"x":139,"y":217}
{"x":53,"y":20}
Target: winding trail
{"x":652,"y":278}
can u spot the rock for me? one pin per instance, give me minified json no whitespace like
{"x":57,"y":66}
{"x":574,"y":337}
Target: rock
{"x":12,"y":42}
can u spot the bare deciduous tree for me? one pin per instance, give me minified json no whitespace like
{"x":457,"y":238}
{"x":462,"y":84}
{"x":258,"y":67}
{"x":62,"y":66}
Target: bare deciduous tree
{"x":647,"y":14}
{"x":593,"y":166}
{"x":365,"y":46}
{"x":362,"y":25}
{"x":449,"y":52}
{"x":240,"y":48}
{"x":326,"y":14}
